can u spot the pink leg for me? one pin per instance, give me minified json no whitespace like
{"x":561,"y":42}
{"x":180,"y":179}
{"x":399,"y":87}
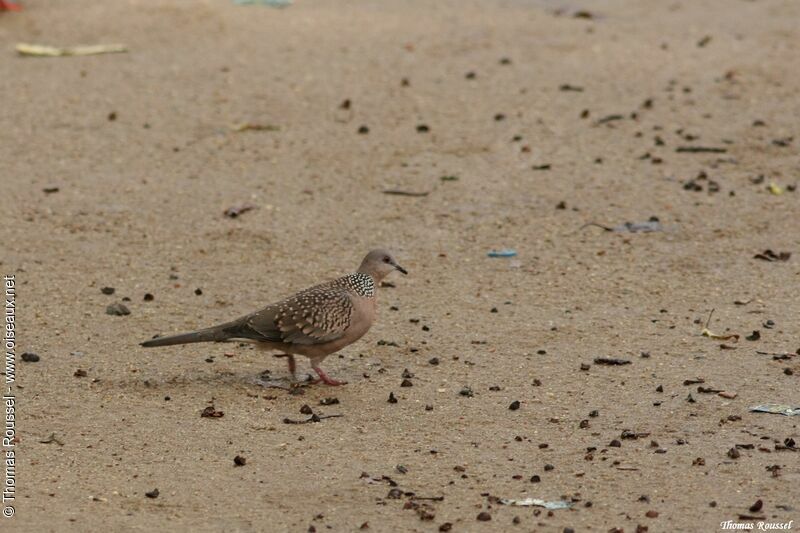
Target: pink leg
{"x":291,"y":361}
{"x":323,"y":377}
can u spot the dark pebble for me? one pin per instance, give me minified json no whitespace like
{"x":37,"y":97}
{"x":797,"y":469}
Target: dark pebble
{"x":756,"y":507}
{"x":483,"y":516}
{"x":433,"y":361}
{"x":395,"y":494}
{"x":30,"y":357}
{"x":466,"y":391}
{"x":148,"y":297}
{"x":392,"y":398}
{"x":615,"y":444}
{"x":152,"y":494}
{"x":406,"y":383}
{"x":107,"y":290}
{"x":548,"y":468}
{"x":535,"y":479}
{"x":514,"y":405}
{"x":198,"y":291}
{"x":239,"y":460}
{"x":363,"y":130}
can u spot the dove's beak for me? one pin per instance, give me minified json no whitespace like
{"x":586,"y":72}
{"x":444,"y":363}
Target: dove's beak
{"x":401,"y":269}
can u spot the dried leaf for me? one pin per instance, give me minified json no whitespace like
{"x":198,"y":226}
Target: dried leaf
{"x":39,"y":50}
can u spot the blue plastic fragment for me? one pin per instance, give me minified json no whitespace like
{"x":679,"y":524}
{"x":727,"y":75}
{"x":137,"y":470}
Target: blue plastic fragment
{"x":505,"y":252}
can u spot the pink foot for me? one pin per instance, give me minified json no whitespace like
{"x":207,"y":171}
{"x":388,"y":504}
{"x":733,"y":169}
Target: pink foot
{"x":323,"y":377}
{"x":5,"y":5}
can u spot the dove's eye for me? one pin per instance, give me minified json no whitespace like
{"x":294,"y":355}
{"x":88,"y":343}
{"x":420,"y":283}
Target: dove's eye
{"x":386,"y":259}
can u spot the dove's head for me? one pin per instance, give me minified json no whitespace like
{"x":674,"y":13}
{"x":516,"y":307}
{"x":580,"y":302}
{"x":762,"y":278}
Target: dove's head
{"x":380,"y":263}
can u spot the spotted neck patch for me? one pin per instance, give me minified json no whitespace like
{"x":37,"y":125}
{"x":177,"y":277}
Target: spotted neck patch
{"x":361,"y":284}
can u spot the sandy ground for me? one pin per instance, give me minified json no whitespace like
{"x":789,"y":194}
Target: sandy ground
{"x":504,"y":89}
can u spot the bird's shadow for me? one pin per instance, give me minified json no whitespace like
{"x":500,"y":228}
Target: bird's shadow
{"x":261,"y":380}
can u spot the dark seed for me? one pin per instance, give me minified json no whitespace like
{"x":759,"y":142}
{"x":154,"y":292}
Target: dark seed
{"x":756,"y":507}
{"x":148,"y":297}
{"x":514,"y":405}
{"x":406,"y":383}
{"x":107,"y":290}
{"x":433,"y":361}
{"x":392,"y":398}
{"x":484,"y":516}
{"x":152,"y":494}
{"x":239,"y":460}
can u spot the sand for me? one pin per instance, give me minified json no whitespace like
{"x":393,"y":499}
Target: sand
{"x":548,"y":119}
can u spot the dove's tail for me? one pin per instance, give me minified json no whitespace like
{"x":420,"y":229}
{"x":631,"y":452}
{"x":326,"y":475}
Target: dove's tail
{"x":204,"y":335}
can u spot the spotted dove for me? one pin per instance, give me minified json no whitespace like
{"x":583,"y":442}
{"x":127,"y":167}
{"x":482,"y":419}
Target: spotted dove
{"x":315,"y":322}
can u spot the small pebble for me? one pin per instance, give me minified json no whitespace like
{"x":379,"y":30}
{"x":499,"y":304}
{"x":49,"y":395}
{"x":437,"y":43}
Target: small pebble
{"x":117,"y":310}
